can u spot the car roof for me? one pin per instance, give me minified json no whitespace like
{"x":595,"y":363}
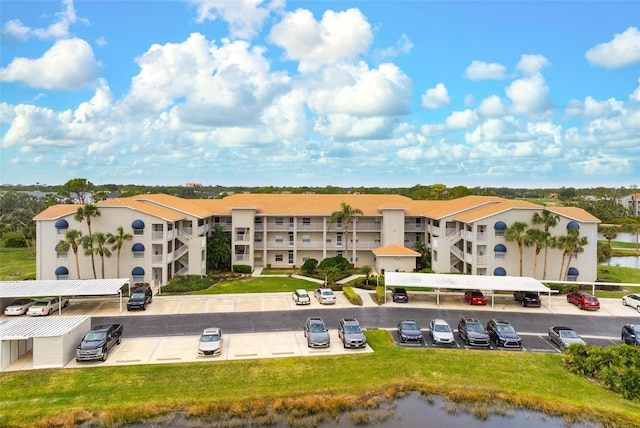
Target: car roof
{"x":211,"y":330}
{"x":500,"y":321}
{"x":350,"y":321}
{"x":438,"y":321}
{"x":315,"y":319}
{"x":470,"y":319}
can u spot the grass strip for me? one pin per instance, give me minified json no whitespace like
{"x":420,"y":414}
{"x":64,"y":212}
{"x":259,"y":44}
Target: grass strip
{"x":128,"y":394}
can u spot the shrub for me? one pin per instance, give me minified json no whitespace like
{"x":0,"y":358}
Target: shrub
{"x":352,"y":296}
{"x":380,"y":294}
{"x":186,"y":283}
{"x":309,"y":266}
{"x":15,"y":243}
{"x":338,"y":262}
{"x":242,"y":268}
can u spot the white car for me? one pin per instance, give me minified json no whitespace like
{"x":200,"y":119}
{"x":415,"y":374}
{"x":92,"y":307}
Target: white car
{"x":18,"y":307}
{"x":632,"y":300}
{"x":301,"y":297}
{"x":210,"y":344}
{"x":440,"y":332}
{"x":47,"y":306}
{"x":325,"y":296}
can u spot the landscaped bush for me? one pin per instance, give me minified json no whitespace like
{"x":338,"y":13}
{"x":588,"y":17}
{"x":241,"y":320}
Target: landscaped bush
{"x":15,"y":243}
{"x":616,"y":367}
{"x":309,"y":266}
{"x":242,"y":268}
{"x":380,"y":294}
{"x":338,"y":262}
{"x":186,"y":283}
{"x":564,"y":288}
{"x":352,"y":296}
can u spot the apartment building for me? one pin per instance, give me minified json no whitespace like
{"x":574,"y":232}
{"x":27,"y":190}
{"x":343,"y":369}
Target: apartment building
{"x":284,"y":230}
{"x":631,"y":203}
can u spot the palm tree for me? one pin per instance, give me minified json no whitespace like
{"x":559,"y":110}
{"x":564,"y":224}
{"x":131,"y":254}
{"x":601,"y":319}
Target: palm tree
{"x":570,"y":244}
{"x":548,"y":220}
{"x":609,"y":233}
{"x":366,"y":270}
{"x":87,"y":212}
{"x":516,"y":233}
{"x":100,"y":248}
{"x":345,"y":214}
{"x":72,"y":240}
{"x":539,"y":239}
{"x":117,"y":241}
{"x":219,"y":249}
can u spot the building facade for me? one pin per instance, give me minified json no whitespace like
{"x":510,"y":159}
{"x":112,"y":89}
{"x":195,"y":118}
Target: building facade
{"x":631,"y":203}
{"x":284,"y":230}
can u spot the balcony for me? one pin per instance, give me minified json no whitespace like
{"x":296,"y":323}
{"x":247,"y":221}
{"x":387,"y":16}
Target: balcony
{"x":157,"y":235}
{"x":310,"y":227}
{"x":413,"y":227}
{"x":241,"y":257}
{"x":364,"y":227}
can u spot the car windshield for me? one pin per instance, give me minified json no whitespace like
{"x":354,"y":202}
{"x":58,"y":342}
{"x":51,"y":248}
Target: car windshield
{"x":409,"y":326}
{"x":137,"y":296}
{"x":590,"y":299}
{"x":400,"y":291}
{"x":474,"y":326}
{"x":327,"y":293}
{"x":476,"y":294}
{"x":503,"y":328}
{"x":210,"y":337}
{"x":95,"y":336}
{"x":569,"y":334}
{"x":317,"y":328}
{"x":352,"y":329}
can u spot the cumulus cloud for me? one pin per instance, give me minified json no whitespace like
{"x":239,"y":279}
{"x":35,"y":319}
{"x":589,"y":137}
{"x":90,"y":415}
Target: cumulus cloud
{"x":337,"y":37}
{"x":479,"y":70}
{"x":402,"y":47}
{"x":69,"y":64}
{"x":622,"y":51}
{"x":436,"y":97}
{"x":58,"y":30}
{"x":461,"y":120}
{"x":245,"y":17}
{"x":492,"y":106}
{"x":532,"y":64}
{"x":529,"y":95}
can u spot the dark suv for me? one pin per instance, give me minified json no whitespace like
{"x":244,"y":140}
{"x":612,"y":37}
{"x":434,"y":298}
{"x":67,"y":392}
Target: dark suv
{"x":631,"y":334}
{"x":503,"y":334}
{"x":527,"y":298}
{"x":140,"y":298}
{"x":473,"y":333}
{"x":351,"y":333}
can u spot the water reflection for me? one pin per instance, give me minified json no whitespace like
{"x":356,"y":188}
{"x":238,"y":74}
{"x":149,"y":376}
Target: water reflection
{"x":625,"y":261}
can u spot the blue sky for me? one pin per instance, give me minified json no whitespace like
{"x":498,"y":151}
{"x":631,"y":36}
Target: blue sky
{"x":345,"y":93}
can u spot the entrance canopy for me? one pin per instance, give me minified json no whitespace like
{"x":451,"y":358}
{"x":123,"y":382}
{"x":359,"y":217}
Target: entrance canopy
{"x":465,"y":282}
{"x":63,"y":288}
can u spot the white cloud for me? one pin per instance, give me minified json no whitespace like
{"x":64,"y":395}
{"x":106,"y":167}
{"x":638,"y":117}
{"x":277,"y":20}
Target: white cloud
{"x":245,"y":17}
{"x":339,"y":36}
{"x":479,"y":70}
{"x":492,"y":106}
{"x":436,"y":97}
{"x":532,"y":64}
{"x":69,"y":64}
{"x":622,"y":51}
{"x":461,"y":120}
{"x":635,"y":96}
{"x":529,"y":95}
{"x":402,"y":47}
{"x":58,"y":30}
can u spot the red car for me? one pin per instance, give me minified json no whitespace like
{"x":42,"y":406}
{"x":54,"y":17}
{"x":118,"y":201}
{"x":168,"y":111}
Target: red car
{"x":583,"y":300}
{"x":475,"y":297}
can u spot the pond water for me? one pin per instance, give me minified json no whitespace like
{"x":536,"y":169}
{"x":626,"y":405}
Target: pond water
{"x":622,"y":237}
{"x":626,"y":261}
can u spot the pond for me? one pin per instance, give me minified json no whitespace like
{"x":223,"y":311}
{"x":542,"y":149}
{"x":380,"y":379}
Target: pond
{"x":622,"y":237}
{"x":626,"y":261}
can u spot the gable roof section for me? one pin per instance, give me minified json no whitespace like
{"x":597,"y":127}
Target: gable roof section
{"x":143,"y":207}
{"x":487,"y":211}
{"x":575,"y":213}
{"x":395,"y":250}
{"x":54,"y":212}
{"x":186,"y":206}
{"x":456,"y":206}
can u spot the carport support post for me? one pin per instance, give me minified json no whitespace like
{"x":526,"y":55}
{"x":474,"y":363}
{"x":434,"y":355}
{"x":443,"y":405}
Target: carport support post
{"x":120,"y":299}
{"x":437,"y":297}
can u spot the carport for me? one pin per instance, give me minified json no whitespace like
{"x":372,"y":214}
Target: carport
{"x":53,"y":340}
{"x":61,"y":288}
{"x":464,"y":282}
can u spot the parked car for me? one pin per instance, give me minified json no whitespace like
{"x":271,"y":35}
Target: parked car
{"x":583,"y":300}
{"x":503,"y":334}
{"x":210,"y":343}
{"x":409,"y":331}
{"x":351,"y":333}
{"x":632,"y":300}
{"x":140,"y":298}
{"x":631,"y":334}
{"x":399,"y":295}
{"x":475,"y":297}
{"x":528,"y":298}
{"x":301,"y":297}
{"x":440,"y":332}
{"x":473,"y":333}
{"x":316,"y":333}
{"x":326,"y":296}
{"x":564,"y":336}
{"x":47,"y":306}
{"x":18,"y":307}
{"x":97,"y":343}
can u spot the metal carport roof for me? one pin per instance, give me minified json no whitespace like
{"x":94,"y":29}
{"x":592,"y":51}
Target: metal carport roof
{"x":464,"y":282}
{"x":26,"y":328}
{"x":60,"y":288}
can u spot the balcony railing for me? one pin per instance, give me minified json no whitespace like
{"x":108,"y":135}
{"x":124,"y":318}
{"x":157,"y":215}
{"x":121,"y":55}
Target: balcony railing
{"x":310,"y":226}
{"x":363,"y":227}
{"x":241,"y":257}
{"x":413,"y":227}
{"x":156,"y":235}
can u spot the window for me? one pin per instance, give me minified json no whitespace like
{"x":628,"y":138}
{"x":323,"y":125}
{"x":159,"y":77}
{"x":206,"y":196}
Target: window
{"x":306,"y":221}
{"x":328,"y":240}
{"x":279,"y":220}
{"x":306,"y":238}
{"x":138,"y":254}
{"x":257,"y":237}
{"x":279,"y":239}
{"x":290,"y":257}
{"x":258,"y":220}
{"x":377,"y":239}
{"x":138,"y":232}
{"x":279,"y":258}
{"x":499,"y":232}
{"x":499,"y":256}
{"x":62,"y":255}
{"x":291,"y":239}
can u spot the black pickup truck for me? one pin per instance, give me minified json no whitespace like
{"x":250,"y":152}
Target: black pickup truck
{"x":97,"y":343}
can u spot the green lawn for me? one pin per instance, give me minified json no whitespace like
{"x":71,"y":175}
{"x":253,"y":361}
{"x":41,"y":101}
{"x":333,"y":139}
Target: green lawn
{"x":131,"y":393}
{"x":16,"y":264}
{"x":261,"y":284}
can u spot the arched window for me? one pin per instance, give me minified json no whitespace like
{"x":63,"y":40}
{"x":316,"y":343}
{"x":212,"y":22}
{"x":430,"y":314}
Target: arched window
{"x":138,"y":274}
{"x":61,"y":226}
{"x":499,"y":271}
{"x":62,"y":272}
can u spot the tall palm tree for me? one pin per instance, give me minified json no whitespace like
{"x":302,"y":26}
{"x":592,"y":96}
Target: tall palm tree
{"x":345,"y":214}
{"x":219,"y":249}
{"x":539,"y":239}
{"x":97,"y":244}
{"x":516,"y":233}
{"x":548,"y":220}
{"x":72,"y":240}
{"x":117,"y":241}
{"x":366,"y":270}
{"x":87,"y":212}
{"x":570,"y":244}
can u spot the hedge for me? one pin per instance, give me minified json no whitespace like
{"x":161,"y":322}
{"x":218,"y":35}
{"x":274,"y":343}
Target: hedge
{"x":352,"y":296}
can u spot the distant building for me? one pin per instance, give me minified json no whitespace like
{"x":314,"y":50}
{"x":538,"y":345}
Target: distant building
{"x":194,"y":184}
{"x":465,"y":235}
{"x":631,"y":203}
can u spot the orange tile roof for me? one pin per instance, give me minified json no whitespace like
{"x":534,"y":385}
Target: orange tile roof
{"x":188,"y":206}
{"x":486,"y":211}
{"x":575,"y":213}
{"x":395,"y":250}
{"x":56,"y":211}
{"x":453,"y":206}
{"x":144,"y":207}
